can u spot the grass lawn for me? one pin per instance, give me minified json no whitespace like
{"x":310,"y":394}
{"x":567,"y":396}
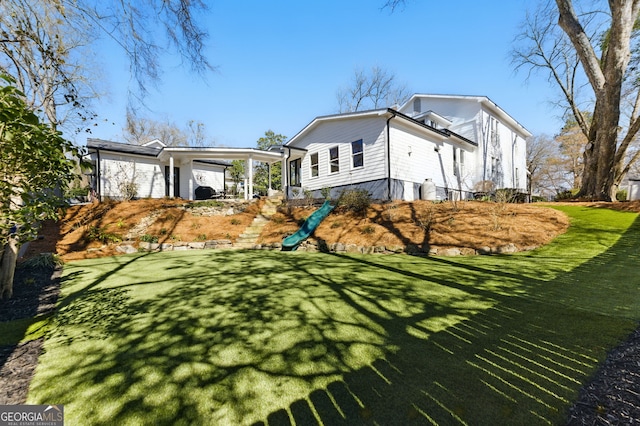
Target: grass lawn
{"x":246,"y":337}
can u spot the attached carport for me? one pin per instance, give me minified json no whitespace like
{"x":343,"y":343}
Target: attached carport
{"x":186,"y":156}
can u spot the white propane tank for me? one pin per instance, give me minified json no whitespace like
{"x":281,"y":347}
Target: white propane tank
{"x":428,"y":190}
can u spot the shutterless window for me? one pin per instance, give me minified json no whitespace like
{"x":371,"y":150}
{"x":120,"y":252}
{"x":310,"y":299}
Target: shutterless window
{"x":314,"y":165}
{"x":334,"y":160}
{"x":357,"y":153}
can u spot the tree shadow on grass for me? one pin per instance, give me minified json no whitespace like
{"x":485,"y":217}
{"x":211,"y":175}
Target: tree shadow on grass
{"x":256,"y":337}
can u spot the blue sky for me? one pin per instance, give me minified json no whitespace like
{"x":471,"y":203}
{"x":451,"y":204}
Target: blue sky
{"x":280,"y":64}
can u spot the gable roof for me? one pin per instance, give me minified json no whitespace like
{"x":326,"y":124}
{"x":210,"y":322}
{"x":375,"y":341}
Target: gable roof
{"x":143,"y":150}
{"x":388,"y":112}
{"x":482,"y":100}
{"x":125,"y":148}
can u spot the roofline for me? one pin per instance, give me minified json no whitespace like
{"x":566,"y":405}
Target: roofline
{"x":484,"y":100}
{"x":344,"y":115}
{"x":378,"y":112}
{"x":211,"y":154}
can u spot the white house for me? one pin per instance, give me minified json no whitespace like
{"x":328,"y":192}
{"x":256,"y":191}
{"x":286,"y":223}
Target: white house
{"x":154,"y":170}
{"x":460,"y":144}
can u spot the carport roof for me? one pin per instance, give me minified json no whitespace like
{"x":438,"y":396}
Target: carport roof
{"x":211,"y":153}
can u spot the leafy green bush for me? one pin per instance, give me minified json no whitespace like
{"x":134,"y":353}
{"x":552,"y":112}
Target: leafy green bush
{"x":147,"y":238}
{"x":621,"y":195}
{"x":565,"y":195}
{"x":206,"y":203}
{"x":355,"y":200}
{"x":42,"y":261}
{"x":98,"y":234}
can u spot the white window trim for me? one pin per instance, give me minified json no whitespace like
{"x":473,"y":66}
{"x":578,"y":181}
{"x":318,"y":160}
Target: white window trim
{"x":353,"y":155}
{"x":331,"y":172}
{"x":311,"y":176}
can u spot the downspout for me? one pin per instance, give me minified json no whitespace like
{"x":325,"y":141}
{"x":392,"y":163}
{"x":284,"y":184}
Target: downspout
{"x":224,"y":179}
{"x":98,"y":175}
{"x":393,"y":114}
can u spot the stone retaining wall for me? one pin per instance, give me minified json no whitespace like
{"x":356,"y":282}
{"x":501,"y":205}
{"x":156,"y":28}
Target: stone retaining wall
{"x":312,"y":245}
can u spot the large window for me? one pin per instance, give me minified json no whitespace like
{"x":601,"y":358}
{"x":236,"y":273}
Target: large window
{"x":357,"y":153}
{"x":314,"y":165}
{"x":334,"y":160}
{"x":294,"y":172}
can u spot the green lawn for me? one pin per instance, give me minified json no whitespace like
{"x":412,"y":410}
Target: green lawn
{"x":245,"y":337}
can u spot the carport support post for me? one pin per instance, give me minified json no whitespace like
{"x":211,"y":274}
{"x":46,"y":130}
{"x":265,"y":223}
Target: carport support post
{"x":171,"y":183}
{"x":249,"y":168}
{"x":190,"y":180}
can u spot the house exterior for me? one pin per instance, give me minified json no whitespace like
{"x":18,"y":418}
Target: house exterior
{"x":432,"y":147}
{"x":154,"y":170}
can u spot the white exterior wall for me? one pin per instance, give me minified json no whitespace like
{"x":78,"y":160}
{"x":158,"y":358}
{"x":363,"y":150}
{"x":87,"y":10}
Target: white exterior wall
{"x":341,"y":133}
{"x":423,"y":162}
{"x":633,"y":191}
{"x":149,"y":176}
{"x":145,"y":172}
{"x":470,"y":119}
{"x":509,"y":148}
{"x":208,"y":175}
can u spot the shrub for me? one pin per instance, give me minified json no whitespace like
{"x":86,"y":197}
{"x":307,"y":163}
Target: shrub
{"x":235,"y":221}
{"x":355,"y":200}
{"x":326,"y":193}
{"x":42,"y":261}
{"x":565,"y":195}
{"x":367,"y":230}
{"x":98,"y":234}
{"x":621,"y":195}
{"x":148,"y":238}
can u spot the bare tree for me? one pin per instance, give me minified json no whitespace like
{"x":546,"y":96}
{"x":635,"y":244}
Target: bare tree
{"x":140,"y":130}
{"x":377,"y":89}
{"x":43,"y":57}
{"x":594,"y":46}
{"x":43,"y":44}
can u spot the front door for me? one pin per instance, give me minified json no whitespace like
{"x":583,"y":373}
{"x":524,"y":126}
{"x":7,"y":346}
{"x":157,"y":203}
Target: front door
{"x":176,"y":181}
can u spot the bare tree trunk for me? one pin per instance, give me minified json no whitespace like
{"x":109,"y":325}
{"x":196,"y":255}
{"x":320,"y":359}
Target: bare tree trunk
{"x":7,"y":268}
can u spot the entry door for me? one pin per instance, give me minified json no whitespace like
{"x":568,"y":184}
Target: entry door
{"x":176,"y":181}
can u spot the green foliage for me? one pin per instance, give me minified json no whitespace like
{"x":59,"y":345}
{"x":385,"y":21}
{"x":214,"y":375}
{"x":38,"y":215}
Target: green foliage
{"x":236,"y":171}
{"x":621,"y":195}
{"x":326,"y":193}
{"x":531,"y":328}
{"x":148,"y":238}
{"x":566,"y":195}
{"x":235,"y":221}
{"x":42,"y":261}
{"x":95,"y":233}
{"x":355,"y":200}
{"x":261,"y":172}
{"x":33,"y":166}
{"x":206,"y":203}
{"x":367,"y":230}
{"x":201,"y":237}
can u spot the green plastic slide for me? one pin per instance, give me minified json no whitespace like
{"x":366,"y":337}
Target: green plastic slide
{"x":293,"y":241}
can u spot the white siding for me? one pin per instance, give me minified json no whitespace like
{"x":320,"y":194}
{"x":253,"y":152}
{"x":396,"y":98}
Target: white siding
{"x":117,"y":170}
{"x":148,"y":174}
{"x":341,"y":133}
{"x":208,"y":175}
{"x":423,"y":162}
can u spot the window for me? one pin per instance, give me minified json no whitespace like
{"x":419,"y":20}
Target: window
{"x":455,"y":162}
{"x":357,"y":153}
{"x":334,"y":160}
{"x":314,"y":165}
{"x":294,"y":172}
